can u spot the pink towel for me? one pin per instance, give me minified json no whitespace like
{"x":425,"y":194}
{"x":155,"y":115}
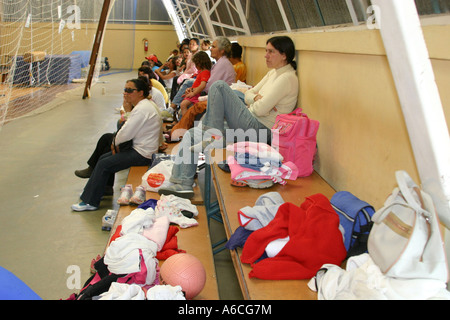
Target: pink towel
{"x":157,"y":232}
{"x":288,"y":170}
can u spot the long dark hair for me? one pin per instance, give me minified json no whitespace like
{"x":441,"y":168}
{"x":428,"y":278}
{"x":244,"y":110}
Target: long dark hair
{"x":286,"y":46}
{"x":147,"y":70}
{"x":141,"y":85}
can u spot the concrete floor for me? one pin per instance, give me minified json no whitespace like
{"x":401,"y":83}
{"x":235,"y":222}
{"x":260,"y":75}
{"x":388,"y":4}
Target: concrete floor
{"x":44,"y":242}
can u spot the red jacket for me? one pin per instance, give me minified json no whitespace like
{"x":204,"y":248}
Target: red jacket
{"x":314,"y":240}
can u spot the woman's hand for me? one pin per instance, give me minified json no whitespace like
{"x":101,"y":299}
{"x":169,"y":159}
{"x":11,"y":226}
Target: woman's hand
{"x":114,"y":149}
{"x":127,"y":106}
{"x":257,"y":97}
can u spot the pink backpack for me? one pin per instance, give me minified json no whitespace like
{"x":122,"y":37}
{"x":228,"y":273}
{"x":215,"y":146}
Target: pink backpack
{"x":294,"y":136}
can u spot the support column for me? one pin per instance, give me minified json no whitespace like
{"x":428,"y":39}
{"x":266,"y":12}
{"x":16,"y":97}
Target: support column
{"x":96,"y":46}
{"x":419,"y":97}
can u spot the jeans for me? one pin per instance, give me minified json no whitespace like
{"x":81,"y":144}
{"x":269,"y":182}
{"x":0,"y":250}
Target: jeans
{"x":181,"y":90}
{"x":108,"y":165}
{"x":223,"y":105}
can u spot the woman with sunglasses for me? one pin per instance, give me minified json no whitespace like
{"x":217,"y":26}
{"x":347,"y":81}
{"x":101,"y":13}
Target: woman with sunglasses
{"x":143,"y":128}
{"x":104,"y":142}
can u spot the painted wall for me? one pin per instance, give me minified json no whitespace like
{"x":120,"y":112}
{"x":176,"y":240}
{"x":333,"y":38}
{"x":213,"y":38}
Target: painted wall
{"x":346,"y":84}
{"x":123,"y":44}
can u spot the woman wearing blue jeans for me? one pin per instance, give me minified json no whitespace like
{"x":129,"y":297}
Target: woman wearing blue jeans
{"x":251,"y":117}
{"x":143,"y":128}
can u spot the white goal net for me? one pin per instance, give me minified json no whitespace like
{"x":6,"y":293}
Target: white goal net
{"x":45,"y":48}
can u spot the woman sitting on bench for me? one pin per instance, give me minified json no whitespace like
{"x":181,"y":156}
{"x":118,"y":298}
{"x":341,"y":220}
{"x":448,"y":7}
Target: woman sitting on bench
{"x":143,"y":128}
{"x":275,"y":94}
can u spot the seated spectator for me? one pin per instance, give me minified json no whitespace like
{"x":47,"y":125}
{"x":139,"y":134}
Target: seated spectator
{"x":173,"y":53}
{"x":191,"y":95}
{"x":221,"y":70}
{"x":104,"y":143}
{"x":142,"y":128}
{"x":206,"y":47}
{"x":168,"y":71}
{"x":236,"y":60}
{"x":185,"y":52}
{"x":145,"y":63}
{"x":276,"y":93}
{"x":190,"y":69}
{"x":146,"y":71}
{"x":154,"y":62}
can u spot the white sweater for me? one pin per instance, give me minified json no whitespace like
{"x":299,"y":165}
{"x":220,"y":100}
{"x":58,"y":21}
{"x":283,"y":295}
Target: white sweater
{"x":143,"y":127}
{"x":279,"y":89}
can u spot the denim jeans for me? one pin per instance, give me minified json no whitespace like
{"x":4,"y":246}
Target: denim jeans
{"x":178,"y":97}
{"x":223,"y":105}
{"x":108,"y":165}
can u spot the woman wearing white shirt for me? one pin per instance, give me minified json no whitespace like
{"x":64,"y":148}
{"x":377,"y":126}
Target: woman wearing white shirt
{"x":104,"y":143}
{"x":275,"y":94}
{"x":143,"y":128}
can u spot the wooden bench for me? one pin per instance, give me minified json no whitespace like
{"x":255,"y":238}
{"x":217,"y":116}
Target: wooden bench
{"x":194,"y":240}
{"x":231,"y":199}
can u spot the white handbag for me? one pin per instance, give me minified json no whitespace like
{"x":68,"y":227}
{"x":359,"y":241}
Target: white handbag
{"x":405,"y":240}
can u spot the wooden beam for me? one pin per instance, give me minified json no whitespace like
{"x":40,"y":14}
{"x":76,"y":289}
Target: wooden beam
{"x":96,"y":46}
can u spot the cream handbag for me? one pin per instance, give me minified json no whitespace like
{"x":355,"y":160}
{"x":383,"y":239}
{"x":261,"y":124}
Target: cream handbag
{"x":405,"y":240}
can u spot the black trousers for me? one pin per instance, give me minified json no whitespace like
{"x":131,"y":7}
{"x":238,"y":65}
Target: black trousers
{"x":103,"y":146}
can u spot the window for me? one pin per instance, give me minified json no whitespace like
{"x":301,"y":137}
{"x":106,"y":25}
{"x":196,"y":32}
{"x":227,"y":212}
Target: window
{"x":139,"y":12}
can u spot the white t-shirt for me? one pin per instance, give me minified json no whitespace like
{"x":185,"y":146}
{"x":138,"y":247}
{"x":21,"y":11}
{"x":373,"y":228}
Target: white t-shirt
{"x":143,"y":127}
{"x":158,"y":98}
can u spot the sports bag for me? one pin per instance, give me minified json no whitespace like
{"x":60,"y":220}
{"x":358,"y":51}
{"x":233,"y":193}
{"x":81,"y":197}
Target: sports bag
{"x":355,"y":218}
{"x":294,"y":136}
{"x":405,"y":240}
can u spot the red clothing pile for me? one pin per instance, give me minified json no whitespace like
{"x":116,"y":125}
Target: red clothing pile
{"x":314,"y":240}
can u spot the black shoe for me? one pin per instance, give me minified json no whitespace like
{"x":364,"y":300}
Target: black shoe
{"x":85,"y":173}
{"x":224,"y":166}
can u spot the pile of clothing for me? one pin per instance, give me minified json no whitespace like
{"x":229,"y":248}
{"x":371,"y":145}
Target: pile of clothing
{"x":131,"y":260}
{"x":283,"y":241}
{"x":257,"y":161}
{"x":362,"y":279}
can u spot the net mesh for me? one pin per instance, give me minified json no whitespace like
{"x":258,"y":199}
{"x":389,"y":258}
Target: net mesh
{"x":45,"y":46}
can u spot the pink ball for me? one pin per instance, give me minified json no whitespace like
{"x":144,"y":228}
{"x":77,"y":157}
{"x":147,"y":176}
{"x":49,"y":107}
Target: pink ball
{"x":184,"y":270}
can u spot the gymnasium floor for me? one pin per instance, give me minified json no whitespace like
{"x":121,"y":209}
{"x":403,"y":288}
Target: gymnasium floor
{"x":43,"y":242}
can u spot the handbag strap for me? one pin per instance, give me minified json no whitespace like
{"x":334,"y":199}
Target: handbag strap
{"x":297,"y":112}
{"x":381,"y":214}
{"x":407,"y":186}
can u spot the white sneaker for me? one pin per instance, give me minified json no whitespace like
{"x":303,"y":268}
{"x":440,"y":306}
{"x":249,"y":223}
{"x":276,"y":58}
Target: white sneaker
{"x":83,"y":207}
{"x":138,"y":196}
{"x":125,"y":195}
{"x":108,"y":220}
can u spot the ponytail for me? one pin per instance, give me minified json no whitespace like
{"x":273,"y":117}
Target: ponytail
{"x":286,"y":46}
